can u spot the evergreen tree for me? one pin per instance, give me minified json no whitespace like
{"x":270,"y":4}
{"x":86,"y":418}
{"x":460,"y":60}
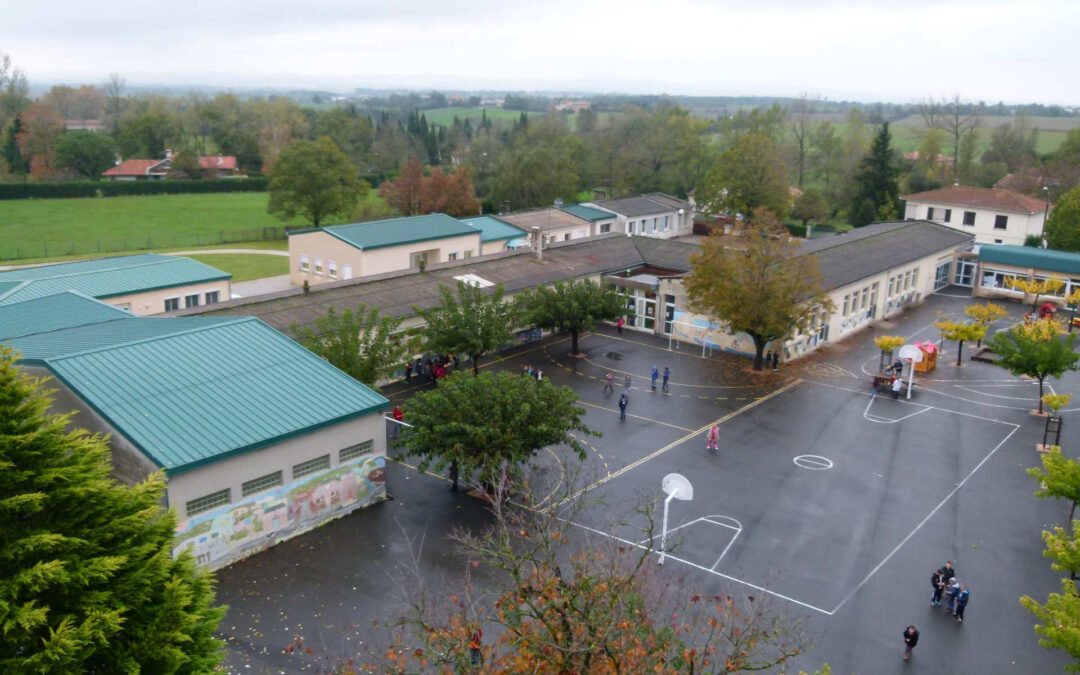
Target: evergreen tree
{"x":87,"y":578}
{"x":877,"y":182}
{"x":10,"y":151}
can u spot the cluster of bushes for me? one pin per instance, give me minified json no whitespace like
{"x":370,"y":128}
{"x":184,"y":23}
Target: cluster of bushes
{"x":126,"y":187}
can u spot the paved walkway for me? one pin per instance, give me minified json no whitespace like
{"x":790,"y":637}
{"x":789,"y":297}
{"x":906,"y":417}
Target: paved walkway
{"x":258,"y":251}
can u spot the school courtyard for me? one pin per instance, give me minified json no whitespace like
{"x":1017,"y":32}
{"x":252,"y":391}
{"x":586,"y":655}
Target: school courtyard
{"x":836,"y":502}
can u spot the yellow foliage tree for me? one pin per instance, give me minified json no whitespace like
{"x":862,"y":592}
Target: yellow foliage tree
{"x":1041,"y":330}
{"x":1056,"y":401}
{"x":887,"y":343}
{"x":1035,"y":287}
{"x":986,"y":314}
{"x":961,"y":333}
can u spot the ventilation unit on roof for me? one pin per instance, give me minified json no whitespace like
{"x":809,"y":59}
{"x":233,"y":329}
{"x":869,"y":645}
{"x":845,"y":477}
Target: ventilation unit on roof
{"x":473,"y":280}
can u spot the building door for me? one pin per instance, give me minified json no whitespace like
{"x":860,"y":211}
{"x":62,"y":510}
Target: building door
{"x":346,"y":271}
{"x":669,"y":313}
{"x":965,"y":273}
{"x":941,"y":275}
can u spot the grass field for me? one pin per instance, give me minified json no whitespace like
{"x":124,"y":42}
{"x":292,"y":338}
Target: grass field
{"x":52,"y":228}
{"x":246,"y":266}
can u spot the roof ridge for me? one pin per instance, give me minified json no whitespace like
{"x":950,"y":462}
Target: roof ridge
{"x":224,"y":321}
{"x":157,"y":261}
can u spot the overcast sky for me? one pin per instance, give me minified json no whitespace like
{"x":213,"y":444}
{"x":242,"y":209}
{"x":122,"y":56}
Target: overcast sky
{"x":892,"y":50}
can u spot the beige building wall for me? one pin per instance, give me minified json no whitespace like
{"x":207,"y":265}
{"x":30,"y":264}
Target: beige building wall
{"x":489,"y":247}
{"x":153,"y":302}
{"x":340,"y":260}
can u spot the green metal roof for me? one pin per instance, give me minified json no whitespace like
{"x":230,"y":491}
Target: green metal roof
{"x":1029,"y":256}
{"x":190,"y":391}
{"x":492,"y":229}
{"x":588,"y":212}
{"x":106,"y":277}
{"x":396,"y":231}
{"x":64,"y":310}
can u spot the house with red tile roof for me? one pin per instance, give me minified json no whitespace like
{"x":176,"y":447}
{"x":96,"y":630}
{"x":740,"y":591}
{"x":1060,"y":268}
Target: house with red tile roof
{"x":214,"y":166}
{"x":993,"y":215}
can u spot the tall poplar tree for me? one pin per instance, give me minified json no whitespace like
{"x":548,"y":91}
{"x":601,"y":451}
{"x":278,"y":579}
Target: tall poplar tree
{"x":88,"y":583}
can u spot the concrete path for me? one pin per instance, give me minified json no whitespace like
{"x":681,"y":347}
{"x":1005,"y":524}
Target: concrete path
{"x":248,"y":289}
{"x":257,"y":251}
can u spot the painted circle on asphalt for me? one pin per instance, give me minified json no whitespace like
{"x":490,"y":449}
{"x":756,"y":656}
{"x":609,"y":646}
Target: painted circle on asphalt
{"x":813,"y":462}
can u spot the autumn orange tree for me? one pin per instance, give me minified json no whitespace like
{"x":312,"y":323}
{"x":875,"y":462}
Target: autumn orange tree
{"x":417,"y":193}
{"x":568,"y":601}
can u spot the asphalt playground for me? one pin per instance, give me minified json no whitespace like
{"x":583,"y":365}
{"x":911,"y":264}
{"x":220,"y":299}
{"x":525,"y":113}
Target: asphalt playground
{"x":835,"y":502}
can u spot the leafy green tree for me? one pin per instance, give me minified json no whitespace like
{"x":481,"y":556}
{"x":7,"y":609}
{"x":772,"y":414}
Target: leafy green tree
{"x":10,"y":151}
{"x":490,"y":423}
{"x":1059,"y":478}
{"x":877,"y":180}
{"x":577,"y":305}
{"x":542,"y":162}
{"x":473,"y":323}
{"x":1063,"y":226}
{"x":826,"y":155}
{"x":315,"y":180}
{"x":1028,"y":353}
{"x":1059,"y":621}
{"x":810,"y":205}
{"x":351,"y":131}
{"x":88,"y":153}
{"x":88,"y":583}
{"x":748,"y":175}
{"x":147,"y":127}
{"x":764,"y":288}
{"x":363,"y":344}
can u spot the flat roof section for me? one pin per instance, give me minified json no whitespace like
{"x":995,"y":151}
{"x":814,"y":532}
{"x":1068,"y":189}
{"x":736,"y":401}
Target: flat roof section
{"x":546,"y":218}
{"x":493,"y":229}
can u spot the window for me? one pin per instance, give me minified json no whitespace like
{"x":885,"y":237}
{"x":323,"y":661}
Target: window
{"x":844,"y":312}
{"x":213,"y":297}
{"x":261,"y":483}
{"x":929,"y":212}
{"x":331,"y":268}
{"x":630,"y":227}
{"x":1001,"y":222}
{"x":667,"y":222}
{"x":354,"y":451}
{"x":998,"y":279}
{"x":304,"y":266}
{"x":468,"y":254}
{"x":891,"y":280}
{"x":210,"y":501}
{"x":451,"y":256}
{"x":915,"y":278}
{"x":566,"y":237}
{"x":865,"y":297}
{"x":172,"y":304}
{"x":420,"y":259}
{"x":605,"y":228}
{"x":907,"y":280}
{"x":948,"y":215}
{"x":318,"y":265}
{"x":311,"y":466}
{"x":969,"y":218}
{"x":191,"y":300}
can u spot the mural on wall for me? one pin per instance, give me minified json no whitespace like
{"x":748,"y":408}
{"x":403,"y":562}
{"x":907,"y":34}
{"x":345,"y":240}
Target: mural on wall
{"x":234,"y":531}
{"x":696,"y":329}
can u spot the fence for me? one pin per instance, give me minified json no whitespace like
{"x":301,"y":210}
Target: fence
{"x":119,"y":188}
{"x":13,"y":250}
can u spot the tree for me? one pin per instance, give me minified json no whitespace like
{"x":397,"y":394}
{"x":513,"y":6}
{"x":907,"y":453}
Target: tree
{"x":39,"y":129}
{"x":986,"y":314}
{"x":961,"y":333}
{"x":10,"y":152}
{"x":541,"y":162}
{"x":186,"y":164}
{"x":314,"y":180}
{"x":147,"y":128}
{"x":1035,"y":287}
{"x":810,"y":205}
{"x":827,"y":154}
{"x":1059,"y":620}
{"x":363,"y":344}
{"x":801,"y":115}
{"x":88,"y":153}
{"x":877,"y":180}
{"x":87,"y":579}
{"x":568,"y":601}
{"x":1039,"y":351}
{"x":490,"y":423}
{"x":577,"y":305}
{"x":414,"y":193}
{"x":1063,"y":226}
{"x":1059,"y":478}
{"x":749,"y":175}
{"x":14,"y":91}
{"x":763,"y":287}
{"x":474,"y":323}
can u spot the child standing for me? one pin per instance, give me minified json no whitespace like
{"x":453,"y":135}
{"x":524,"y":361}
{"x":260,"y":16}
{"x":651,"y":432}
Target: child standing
{"x":713,"y":441}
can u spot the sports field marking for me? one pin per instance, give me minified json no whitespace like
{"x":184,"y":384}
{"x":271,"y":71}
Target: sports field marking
{"x":647,"y":419}
{"x":702,"y":568}
{"x":931,"y":407}
{"x":865,"y":579}
{"x":889,"y":420}
{"x":989,"y":395}
{"x":675,"y":443}
{"x":713,"y":520}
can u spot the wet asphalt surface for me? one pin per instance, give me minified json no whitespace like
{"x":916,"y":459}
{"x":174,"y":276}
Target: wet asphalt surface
{"x":836,"y":503}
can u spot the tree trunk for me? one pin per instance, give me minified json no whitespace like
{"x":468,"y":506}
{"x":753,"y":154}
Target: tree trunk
{"x":759,"y":348}
{"x":1040,"y":406}
{"x":475,"y":364}
{"x":573,"y":341}
{"x":454,"y":476}
{"x":959,"y":352}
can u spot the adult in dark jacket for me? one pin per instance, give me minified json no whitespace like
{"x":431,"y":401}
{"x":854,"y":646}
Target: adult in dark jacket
{"x":937,"y":582}
{"x":948,"y":572}
{"x":961,"y":602}
{"x":911,"y":638}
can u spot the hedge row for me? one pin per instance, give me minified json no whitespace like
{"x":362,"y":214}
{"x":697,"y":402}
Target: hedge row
{"x":121,"y":188}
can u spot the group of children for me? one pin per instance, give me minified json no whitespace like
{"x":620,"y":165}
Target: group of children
{"x":430,"y":369}
{"x":944,"y":584}
{"x":535,"y":373}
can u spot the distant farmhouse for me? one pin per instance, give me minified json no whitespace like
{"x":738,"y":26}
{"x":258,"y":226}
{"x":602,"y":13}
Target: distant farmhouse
{"x":213,"y":166}
{"x":991,"y":215}
{"x":259,"y":439}
{"x":142,"y":284}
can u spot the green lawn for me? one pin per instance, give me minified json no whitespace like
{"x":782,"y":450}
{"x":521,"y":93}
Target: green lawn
{"x":445,"y":116}
{"x":246,"y":266}
{"x":53,"y":228}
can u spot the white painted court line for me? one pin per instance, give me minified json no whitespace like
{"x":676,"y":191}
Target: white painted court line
{"x":878,"y":419}
{"x":931,"y":407}
{"x":1016,"y":427}
{"x":703,"y":569}
{"x":989,"y":395}
{"x":737,"y":527}
{"x":738,"y":531}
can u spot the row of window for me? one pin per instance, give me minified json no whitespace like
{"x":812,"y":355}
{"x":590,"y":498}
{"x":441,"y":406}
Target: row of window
{"x":999,"y":279}
{"x":454,"y":255}
{"x":859,"y":300}
{"x":901,"y":283}
{"x":649,"y":225}
{"x":192,"y":300}
{"x":315,"y":266}
{"x":271,"y":480}
{"x":1000,"y":222}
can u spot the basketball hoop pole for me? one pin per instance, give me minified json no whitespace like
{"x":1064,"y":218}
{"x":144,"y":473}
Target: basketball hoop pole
{"x":663,"y":531}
